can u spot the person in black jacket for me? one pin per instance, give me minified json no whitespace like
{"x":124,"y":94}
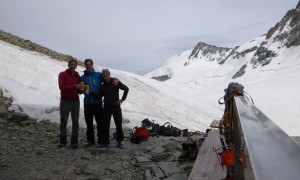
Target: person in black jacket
{"x":112,"y":107}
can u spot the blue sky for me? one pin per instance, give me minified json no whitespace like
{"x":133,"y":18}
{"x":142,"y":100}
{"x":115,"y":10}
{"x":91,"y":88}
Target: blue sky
{"x":138,"y":36}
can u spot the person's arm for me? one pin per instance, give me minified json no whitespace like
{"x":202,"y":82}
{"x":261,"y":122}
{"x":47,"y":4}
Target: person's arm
{"x":116,"y":81}
{"x":125,"y":93}
{"x":97,"y":96}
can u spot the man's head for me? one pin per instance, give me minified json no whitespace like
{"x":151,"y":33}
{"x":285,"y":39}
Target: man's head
{"x":88,"y":64}
{"x":72,"y":64}
{"x":106,"y":75}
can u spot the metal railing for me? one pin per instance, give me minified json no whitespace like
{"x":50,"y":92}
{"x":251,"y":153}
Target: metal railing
{"x":263,"y":151}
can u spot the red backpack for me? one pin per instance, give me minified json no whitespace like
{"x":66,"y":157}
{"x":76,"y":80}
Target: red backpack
{"x":139,"y":134}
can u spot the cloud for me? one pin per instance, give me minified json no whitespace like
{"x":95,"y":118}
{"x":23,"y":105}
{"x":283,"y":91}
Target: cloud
{"x":134,"y":35}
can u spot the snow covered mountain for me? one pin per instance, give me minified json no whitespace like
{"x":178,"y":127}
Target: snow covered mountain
{"x":267,"y":66}
{"x":256,"y":53}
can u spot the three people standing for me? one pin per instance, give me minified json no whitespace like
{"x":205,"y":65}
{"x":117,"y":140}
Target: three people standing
{"x":70,"y":84}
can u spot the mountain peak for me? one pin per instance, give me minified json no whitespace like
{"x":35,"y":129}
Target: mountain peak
{"x":256,"y":54}
{"x":204,"y":50}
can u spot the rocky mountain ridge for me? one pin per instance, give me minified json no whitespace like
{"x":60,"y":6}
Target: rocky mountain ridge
{"x":259,"y":52}
{"x":206,"y":50}
{"x":30,"y":46}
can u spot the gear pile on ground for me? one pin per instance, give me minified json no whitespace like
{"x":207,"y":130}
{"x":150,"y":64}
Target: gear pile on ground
{"x":29,"y":151}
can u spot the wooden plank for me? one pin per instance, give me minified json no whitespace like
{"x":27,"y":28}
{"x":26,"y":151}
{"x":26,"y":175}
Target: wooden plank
{"x":207,"y":166}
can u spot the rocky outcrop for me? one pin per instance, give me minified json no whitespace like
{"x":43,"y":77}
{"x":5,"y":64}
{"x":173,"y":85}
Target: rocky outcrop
{"x":161,"y":78}
{"x":243,"y":53}
{"x":209,"y":50}
{"x":29,"y":151}
{"x":240,"y":72}
{"x":262,"y":56}
{"x":291,"y":36}
{"x":30,"y":46}
{"x":286,"y":32}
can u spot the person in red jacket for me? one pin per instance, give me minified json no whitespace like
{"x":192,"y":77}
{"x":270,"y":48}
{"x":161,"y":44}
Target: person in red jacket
{"x":68,"y":82}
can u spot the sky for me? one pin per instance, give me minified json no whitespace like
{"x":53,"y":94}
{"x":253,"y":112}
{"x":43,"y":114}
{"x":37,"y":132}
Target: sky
{"x":138,"y":36}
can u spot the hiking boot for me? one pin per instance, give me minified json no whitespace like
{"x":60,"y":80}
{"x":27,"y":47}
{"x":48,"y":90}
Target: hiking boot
{"x":228,"y":177}
{"x":89,"y":144}
{"x":185,"y":153}
{"x":106,"y":146}
{"x":74,"y":146}
{"x":62,"y":141}
{"x":61,"y":145}
{"x":193,"y":154}
{"x":120,"y":145}
{"x":74,"y":142}
{"x":194,"y":151}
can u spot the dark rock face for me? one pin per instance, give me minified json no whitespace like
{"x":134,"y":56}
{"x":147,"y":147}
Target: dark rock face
{"x":233,"y":54}
{"x":208,"y":50}
{"x":161,"y":78}
{"x":272,"y":30}
{"x":262,"y":57}
{"x":240,"y":72}
{"x":289,"y":37}
{"x":293,"y":38}
{"x":248,"y":50}
{"x":287,"y":34}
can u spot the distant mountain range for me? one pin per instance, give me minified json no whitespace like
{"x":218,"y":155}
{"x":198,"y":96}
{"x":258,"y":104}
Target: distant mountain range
{"x":255,"y":54}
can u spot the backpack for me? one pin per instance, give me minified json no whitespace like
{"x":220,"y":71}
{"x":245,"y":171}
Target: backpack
{"x":139,"y":134}
{"x":151,"y":126}
{"x":169,"y":130}
{"x":185,"y":133}
{"x":146,"y":123}
{"x":227,"y":158}
{"x":155,"y":130}
{"x":175,"y":131}
{"x":165,"y":129}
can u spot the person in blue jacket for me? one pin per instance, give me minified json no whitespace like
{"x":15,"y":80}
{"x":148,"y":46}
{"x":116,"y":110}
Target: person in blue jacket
{"x":92,"y":106}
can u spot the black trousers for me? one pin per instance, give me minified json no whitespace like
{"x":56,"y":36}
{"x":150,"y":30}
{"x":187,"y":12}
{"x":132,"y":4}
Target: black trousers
{"x":116,"y":112}
{"x":90,"y":111}
{"x":65,"y":108}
